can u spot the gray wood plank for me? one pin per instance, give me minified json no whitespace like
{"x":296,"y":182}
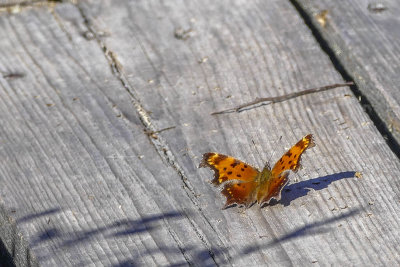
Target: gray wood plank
{"x":363,"y":36}
{"x":82,"y":183}
{"x":260,"y":49}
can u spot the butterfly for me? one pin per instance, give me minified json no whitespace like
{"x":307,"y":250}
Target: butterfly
{"x":244,"y":185}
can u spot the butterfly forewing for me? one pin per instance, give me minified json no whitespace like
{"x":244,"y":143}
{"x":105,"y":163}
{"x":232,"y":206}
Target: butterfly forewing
{"x":228,"y":168}
{"x":237,"y":177}
{"x":291,"y":159}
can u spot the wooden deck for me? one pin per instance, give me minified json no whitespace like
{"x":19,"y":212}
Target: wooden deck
{"x":105,"y":113}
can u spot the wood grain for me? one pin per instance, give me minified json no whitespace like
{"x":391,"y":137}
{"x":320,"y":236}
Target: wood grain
{"x":363,"y":36}
{"x":87,"y":179}
{"x":80,"y":178}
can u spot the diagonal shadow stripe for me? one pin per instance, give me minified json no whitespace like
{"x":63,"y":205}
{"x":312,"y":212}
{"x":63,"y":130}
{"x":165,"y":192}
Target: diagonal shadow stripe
{"x":315,"y":228}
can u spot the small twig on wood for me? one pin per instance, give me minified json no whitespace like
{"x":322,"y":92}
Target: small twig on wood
{"x":153,"y":133}
{"x":283,"y":97}
{"x":12,"y":75}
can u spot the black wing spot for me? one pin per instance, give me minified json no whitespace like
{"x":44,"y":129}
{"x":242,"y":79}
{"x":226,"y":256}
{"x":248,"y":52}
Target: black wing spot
{"x":217,"y":159}
{"x":235,"y":164}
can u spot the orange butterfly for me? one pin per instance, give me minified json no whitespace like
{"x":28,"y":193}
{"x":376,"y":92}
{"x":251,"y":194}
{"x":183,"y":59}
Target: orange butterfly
{"x":243,"y":184}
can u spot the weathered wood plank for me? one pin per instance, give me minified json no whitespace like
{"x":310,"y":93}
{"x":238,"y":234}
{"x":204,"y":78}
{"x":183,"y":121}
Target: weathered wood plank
{"x":85,"y":185}
{"x":363,"y":36}
{"x":260,"y":49}
{"x":80,"y":182}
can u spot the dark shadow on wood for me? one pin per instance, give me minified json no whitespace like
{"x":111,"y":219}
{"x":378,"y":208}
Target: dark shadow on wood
{"x":300,"y":189}
{"x":126,"y":263}
{"x":5,"y":257}
{"x":121,"y":228}
{"x":37,"y":215}
{"x":47,"y":234}
{"x":316,"y":228}
{"x":212,"y":257}
{"x":144,"y":224}
{"x":115,"y":229}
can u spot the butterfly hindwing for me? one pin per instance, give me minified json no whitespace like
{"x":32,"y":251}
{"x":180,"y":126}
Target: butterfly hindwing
{"x":272,"y":188}
{"x":241,"y":193}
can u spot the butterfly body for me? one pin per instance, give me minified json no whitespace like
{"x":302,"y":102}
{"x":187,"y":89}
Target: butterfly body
{"x":244,"y":185}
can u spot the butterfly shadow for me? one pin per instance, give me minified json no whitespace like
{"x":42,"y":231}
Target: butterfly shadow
{"x":300,"y":189}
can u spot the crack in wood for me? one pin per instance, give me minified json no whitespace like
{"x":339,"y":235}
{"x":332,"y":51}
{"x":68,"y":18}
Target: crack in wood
{"x":159,"y":143}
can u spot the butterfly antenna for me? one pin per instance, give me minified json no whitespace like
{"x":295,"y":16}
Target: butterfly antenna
{"x":273,"y":151}
{"x":255,"y":146}
{"x":258,"y":151}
